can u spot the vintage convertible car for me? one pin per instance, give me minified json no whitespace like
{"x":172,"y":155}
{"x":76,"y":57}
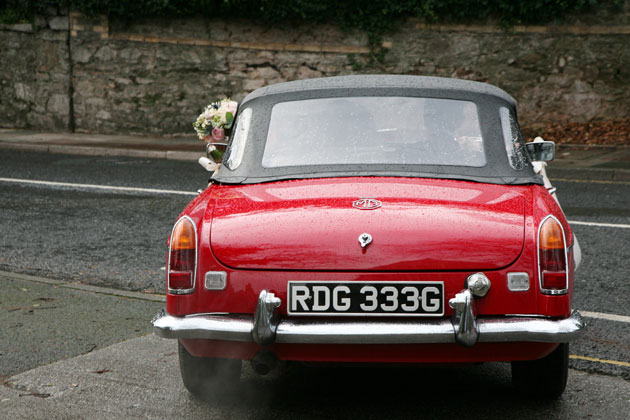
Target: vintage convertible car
{"x":378,"y":219}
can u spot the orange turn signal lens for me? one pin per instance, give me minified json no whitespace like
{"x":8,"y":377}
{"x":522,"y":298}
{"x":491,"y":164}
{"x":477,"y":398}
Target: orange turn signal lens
{"x":551,"y":236}
{"x":183,"y":236}
{"x":180,"y":276}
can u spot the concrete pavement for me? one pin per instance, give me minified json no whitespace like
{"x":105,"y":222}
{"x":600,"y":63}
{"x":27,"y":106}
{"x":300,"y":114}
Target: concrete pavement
{"x":139,"y":378}
{"x":173,"y":147}
{"x":44,"y":320}
{"x":590,"y":162}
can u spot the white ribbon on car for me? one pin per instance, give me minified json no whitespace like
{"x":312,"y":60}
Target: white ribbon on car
{"x":208,"y":165}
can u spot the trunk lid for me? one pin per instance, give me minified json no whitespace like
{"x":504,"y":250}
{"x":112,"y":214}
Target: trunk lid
{"x":422,"y":225}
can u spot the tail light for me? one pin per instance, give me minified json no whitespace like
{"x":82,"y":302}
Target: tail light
{"x":182,"y":257}
{"x":552,"y":257}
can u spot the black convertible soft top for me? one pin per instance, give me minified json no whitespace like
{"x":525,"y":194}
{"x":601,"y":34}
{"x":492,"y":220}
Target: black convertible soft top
{"x":488,"y":99}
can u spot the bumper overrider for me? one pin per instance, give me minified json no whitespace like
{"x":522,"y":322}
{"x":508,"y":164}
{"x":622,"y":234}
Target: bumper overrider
{"x":465,"y":328}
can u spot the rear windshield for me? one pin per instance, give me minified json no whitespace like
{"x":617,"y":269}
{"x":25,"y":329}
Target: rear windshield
{"x":374,"y":130}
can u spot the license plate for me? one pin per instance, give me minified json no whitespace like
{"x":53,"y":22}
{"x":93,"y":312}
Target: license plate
{"x":366,"y":298}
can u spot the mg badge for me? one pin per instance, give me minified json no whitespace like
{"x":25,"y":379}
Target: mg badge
{"x":365,"y":239}
{"x":367,"y":204}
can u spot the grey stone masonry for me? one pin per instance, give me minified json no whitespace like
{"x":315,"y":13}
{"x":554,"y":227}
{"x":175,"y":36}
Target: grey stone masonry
{"x":34,"y":75}
{"x":156,"y":75}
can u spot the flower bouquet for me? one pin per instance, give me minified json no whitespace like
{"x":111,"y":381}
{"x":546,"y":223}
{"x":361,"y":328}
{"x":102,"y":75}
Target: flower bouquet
{"x":214,"y":123}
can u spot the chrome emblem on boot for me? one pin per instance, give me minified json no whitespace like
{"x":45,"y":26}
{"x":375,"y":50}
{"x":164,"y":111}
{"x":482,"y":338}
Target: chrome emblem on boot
{"x":365,"y":239}
{"x":367,"y":204}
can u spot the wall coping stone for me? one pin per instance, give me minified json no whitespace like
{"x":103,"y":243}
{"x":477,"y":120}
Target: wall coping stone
{"x":273,"y":46}
{"x":532,"y":29}
{"x":17,"y":27}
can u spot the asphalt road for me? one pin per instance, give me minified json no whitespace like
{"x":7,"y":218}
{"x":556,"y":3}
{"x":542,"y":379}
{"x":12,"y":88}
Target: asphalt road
{"x":116,"y":238}
{"x":99,"y":237}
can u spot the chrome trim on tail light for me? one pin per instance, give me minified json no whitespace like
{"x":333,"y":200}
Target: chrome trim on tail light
{"x":168,"y":265}
{"x":566,"y":259}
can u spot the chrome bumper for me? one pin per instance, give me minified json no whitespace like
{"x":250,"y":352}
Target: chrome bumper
{"x":309,"y":331}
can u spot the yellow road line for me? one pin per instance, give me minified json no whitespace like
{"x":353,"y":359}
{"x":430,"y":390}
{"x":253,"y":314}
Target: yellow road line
{"x":595,"y":359}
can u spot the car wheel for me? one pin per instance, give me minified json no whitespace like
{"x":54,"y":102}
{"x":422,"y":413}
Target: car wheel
{"x":546,"y":377}
{"x":207,"y":377}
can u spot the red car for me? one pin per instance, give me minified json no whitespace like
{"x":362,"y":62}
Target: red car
{"x":380,"y":219}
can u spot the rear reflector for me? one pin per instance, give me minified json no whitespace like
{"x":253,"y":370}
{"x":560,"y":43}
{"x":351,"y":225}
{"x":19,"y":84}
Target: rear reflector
{"x":554,"y":280}
{"x":180,"y":280}
{"x":552,"y":257}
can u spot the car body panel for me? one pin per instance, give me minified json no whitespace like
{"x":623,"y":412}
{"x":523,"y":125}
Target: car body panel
{"x":385,"y":353}
{"x":422,"y":225}
{"x":244,"y":285}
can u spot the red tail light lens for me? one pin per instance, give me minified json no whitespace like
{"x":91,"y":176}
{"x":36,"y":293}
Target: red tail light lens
{"x":552,"y":257}
{"x":182,"y":257}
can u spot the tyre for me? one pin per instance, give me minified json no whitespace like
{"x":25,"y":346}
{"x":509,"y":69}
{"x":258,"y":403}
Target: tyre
{"x":546,"y":377}
{"x":207,"y":377}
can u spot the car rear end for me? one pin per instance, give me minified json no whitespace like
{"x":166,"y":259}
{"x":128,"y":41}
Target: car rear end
{"x":374,"y":219}
{"x":478,"y":276}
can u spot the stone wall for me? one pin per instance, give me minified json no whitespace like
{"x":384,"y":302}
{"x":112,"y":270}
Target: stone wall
{"x":35,"y":75}
{"x":567,"y":73}
{"x":156,"y":75}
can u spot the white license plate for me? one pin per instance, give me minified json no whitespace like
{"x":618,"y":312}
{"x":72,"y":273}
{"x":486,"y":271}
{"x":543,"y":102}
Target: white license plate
{"x":395,"y":298}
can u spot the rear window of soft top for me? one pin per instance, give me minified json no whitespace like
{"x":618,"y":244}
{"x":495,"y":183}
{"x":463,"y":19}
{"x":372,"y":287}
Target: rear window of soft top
{"x":374,"y":130}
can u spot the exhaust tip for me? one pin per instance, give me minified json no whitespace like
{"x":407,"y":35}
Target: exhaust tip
{"x":261,"y":368}
{"x":264,"y":362}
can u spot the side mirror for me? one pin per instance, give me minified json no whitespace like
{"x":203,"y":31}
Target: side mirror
{"x":541,"y":151}
{"x":215,"y":150}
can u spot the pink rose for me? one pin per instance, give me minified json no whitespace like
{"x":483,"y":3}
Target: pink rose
{"x":218,"y":134}
{"x":231,"y":107}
